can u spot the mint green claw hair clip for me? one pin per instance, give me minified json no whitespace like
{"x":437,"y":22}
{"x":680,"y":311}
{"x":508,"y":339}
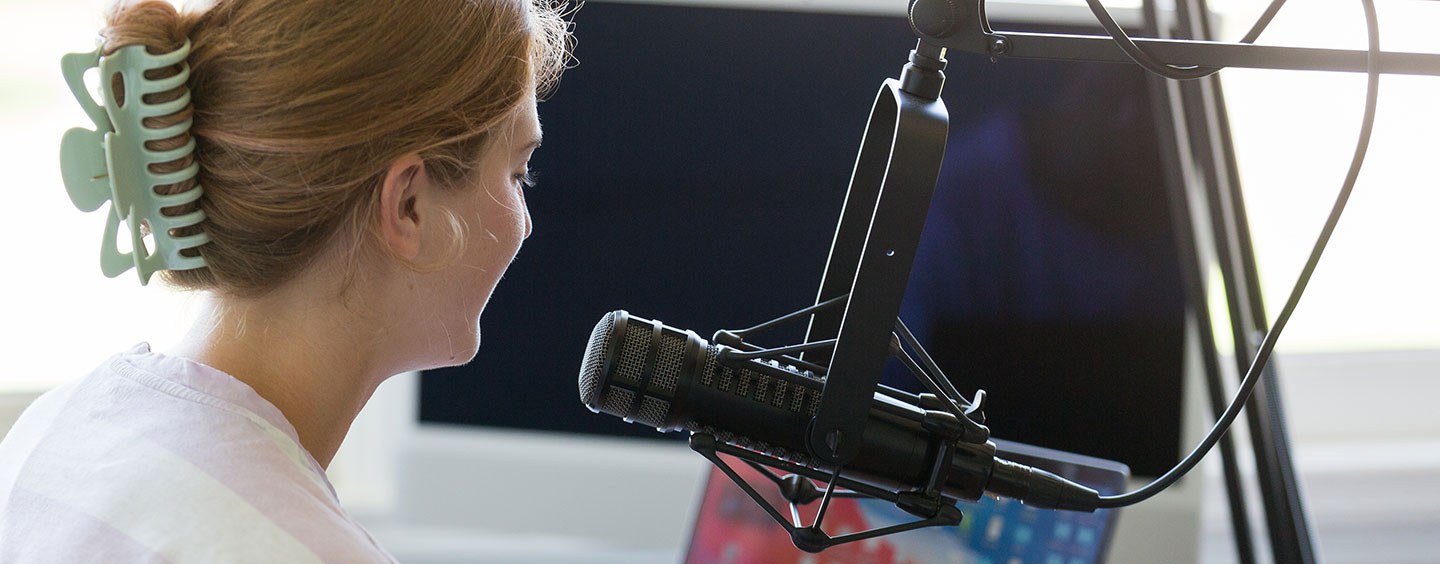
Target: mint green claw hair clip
{"x":112,"y":162}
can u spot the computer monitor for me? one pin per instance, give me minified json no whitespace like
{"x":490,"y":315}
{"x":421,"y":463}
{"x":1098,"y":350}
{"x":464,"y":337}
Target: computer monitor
{"x":693,"y":171}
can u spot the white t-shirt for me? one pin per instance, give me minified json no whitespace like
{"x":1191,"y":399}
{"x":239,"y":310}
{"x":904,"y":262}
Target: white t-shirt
{"x":160,"y":459}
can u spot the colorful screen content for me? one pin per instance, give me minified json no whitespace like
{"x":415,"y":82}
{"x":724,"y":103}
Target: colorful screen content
{"x":731,"y":529}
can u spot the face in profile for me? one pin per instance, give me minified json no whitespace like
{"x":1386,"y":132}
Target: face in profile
{"x":492,"y":215}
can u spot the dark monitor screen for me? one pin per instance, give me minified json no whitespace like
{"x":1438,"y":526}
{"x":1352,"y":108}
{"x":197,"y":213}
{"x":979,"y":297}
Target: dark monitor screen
{"x":694,"y":167}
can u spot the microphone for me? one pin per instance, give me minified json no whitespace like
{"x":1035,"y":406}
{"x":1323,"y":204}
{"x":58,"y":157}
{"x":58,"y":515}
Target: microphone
{"x":671,"y":379}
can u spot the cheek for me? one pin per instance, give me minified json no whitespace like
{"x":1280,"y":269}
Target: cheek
{"x":498,"y":228}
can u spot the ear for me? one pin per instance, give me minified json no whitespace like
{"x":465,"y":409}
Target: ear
{"x":400,"y":205}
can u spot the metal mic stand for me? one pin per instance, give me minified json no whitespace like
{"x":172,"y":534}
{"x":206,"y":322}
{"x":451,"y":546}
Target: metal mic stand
{"x":958,"y":439}
{"x":889,"y":197}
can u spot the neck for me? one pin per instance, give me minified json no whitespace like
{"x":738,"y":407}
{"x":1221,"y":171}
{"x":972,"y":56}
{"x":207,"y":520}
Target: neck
{"x":314,"y":359}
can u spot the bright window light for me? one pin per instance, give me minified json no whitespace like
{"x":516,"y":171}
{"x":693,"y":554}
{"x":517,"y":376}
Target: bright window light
{"x":62,"y":317}
{"x":1294,"y":135}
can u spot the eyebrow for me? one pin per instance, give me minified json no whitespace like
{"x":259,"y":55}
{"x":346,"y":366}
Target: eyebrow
{"x":532,"y":145}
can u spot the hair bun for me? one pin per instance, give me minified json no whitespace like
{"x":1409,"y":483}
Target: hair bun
{"x":152,"y":23}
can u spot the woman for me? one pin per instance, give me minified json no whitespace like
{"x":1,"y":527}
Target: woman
{"x":363,"y":167}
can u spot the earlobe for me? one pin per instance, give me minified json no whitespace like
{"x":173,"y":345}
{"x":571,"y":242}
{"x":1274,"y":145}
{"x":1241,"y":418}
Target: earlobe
{"x":399,"y":213}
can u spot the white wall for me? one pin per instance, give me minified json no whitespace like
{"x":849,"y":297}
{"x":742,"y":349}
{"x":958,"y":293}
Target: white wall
{"x":1366,"y":439}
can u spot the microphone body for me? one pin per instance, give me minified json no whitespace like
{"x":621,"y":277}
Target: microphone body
{"x":673,"y":380}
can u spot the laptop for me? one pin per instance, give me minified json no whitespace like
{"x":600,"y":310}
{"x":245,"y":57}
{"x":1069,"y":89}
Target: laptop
{"x":731,"y":529}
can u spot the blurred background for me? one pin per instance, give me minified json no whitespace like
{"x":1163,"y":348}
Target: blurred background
{"x":1358,"y":363}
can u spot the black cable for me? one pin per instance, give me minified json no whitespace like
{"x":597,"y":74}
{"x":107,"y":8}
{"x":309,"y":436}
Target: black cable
{"x":1252,"y":375}
{"x":1163,"y":69}
{"x":1140,"y":56}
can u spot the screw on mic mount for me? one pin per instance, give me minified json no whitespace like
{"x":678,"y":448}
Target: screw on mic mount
{"x":999,"y":45}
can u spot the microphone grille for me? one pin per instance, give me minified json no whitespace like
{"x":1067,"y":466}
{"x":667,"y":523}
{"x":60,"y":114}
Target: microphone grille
{"x":630,"y":366}
{"x":667,"y":366}
{"x":652,"y":410}
{"x":594,"y":360}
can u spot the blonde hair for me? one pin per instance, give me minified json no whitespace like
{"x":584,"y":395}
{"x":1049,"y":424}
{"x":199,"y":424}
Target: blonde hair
{"x":299,"y":108}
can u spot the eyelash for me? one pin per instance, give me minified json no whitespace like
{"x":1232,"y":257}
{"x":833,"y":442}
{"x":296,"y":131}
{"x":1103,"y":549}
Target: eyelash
{"x":527,"y":179}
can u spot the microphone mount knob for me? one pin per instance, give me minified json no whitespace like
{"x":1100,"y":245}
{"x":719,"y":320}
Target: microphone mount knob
{"x":936,"y":19}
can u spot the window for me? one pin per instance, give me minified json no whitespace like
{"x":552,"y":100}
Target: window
{"x":62,"y":317}
{"x":1294,"y":135}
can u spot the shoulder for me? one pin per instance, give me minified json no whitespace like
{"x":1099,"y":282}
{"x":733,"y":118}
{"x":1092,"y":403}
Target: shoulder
{"x":143,"y":463}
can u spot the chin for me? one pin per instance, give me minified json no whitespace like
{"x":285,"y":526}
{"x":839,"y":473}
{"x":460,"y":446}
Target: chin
{"x":474,"y":349}
{"x":456,"y":340}
{"x":454,"y":348}
{"x":466,"y":348}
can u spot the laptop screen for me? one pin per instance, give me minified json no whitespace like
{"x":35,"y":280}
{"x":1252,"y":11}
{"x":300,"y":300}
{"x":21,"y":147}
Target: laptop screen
{"x":731,"y":529}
